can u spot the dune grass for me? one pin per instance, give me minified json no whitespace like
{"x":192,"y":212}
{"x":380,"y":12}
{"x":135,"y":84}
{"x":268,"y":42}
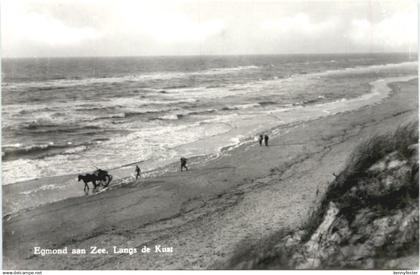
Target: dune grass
{"x":374,"y":149}
{"x":273,"y":252}
{"x":363,"y":157}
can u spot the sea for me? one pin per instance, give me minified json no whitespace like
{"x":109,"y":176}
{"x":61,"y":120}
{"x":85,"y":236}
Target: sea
{"x":64,"y":116}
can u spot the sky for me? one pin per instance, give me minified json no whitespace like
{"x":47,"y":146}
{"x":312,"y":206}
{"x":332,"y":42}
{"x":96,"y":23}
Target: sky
{"x":40,"y":28}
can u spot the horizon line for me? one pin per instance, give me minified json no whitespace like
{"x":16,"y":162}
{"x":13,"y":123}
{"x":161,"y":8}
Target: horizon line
{"x":205,"y":55}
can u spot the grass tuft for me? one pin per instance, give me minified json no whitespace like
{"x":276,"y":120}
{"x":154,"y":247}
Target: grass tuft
{"x":369,"y":196}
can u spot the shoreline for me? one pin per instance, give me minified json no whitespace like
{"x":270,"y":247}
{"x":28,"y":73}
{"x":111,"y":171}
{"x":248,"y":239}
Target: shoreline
{"x":244,"y":193}
{"x":43,"y":184}
{"x":315,"y":74}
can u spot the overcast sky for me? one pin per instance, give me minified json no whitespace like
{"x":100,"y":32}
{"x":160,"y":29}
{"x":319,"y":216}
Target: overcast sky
{"x":191,"y":27}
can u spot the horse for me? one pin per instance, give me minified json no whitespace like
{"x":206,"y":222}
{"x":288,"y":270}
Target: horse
{"x":88,"y":178}
{"x":98,"y":175}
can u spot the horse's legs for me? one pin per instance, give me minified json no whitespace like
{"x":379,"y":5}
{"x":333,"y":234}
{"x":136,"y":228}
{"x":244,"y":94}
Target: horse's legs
{"x":86,"y":186}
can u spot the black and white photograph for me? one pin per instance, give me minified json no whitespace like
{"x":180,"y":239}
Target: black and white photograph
{"x":210,"y":135}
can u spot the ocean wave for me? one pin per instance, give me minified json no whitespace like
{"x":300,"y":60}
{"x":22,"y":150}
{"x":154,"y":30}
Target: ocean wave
{"x":185,"y":114}
{"x":203,"y":112}
{"x":81,"y":148}
{"x":13,"y":151}
{"x":63,"y":83}
{"x":40,"y":121}
{"x":30,"y":111}
{"x":127,"y":114}
{"x":227,"y":108}
{"x":181,"y":86}
{"x":170,"y":117}
{"x":118,"y":115}
{"x":50,"y":128}
{"x":93,"y":108}
{"x":134,"y":113}
{"x":39,"y":151}
{"x":362,"y":69}
{"x":119,"y":104}
{"x":311,"y":101}
{"x":225,"y":70}
{"x":36,"y":124}
{"x":240,"y":107}
{"x":268,"y":102}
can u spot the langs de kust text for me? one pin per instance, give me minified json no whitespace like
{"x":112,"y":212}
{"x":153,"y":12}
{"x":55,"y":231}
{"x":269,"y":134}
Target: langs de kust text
{"x":94,"y":250}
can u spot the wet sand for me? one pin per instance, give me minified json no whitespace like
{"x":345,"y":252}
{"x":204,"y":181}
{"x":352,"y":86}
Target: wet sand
{"x":204,"y":213}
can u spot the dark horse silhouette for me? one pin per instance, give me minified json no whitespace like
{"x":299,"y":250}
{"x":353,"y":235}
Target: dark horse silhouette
{"x":98,"y":175}
{"x":88,"y":178}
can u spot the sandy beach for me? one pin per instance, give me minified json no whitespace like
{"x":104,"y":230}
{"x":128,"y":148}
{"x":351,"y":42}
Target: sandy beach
{"x":205,"y":213}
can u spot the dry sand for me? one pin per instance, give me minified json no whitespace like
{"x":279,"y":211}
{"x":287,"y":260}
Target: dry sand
{"x":204,"y":213}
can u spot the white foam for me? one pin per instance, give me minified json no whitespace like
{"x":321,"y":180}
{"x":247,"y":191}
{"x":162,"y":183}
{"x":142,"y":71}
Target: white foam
{"x":156,"y":142}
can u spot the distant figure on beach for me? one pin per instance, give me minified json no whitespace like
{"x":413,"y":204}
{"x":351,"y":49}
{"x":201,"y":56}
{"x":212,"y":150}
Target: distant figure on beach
{"x":260,"y":139}
{"x":266,"y":140}
{"x":184,"y":164}
{"x":137,"y":172}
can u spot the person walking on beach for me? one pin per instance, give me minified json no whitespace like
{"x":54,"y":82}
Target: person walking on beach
{"x":266,"y":140}
{"x":260,"y":139}
{"x":184,"y":164}
{"x":137,"y":172}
